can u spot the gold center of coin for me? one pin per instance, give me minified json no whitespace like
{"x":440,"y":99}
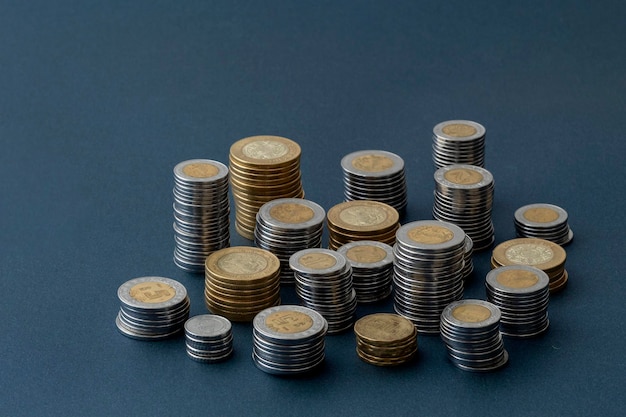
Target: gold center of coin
{"x":152,"y":292}
{"x":291,"y":213}
{"x":463,"y":176}
{"x":517,"y":278}
{"x":372,"y":163}
{"x":431,"y":235}
{"x":264,"y":149}
{"x":366,"y":254}
{"x":471,"y":313}
{"x":363,"y":216}
{"x":200,"y":170}
{"x":529,"y":254}
{"x":288,"y":322}
{"x":541,"y":215}
{"x":459,"y":130}
{"x":242,"y":263}
{"x":317,"y":261}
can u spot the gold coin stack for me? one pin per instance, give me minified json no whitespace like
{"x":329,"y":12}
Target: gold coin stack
{"x":540,"y":253}
{"x":385,"y":339}
{"x":241,"y":281}
{"x":352,"y":221}
{"x":262,"y":169}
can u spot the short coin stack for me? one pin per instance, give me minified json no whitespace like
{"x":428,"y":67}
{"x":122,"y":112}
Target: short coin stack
{"x":375,"y":175}
{"x":152,"y":308}
{"x":324,"y":283}
{"x":521,"y":293}
{"x":458,"y":142}
{"x":262,"y":169}
{"x":288,"y":340}
{"x":240,"y":281}
{"x":385,"y":339}
{"x":208,"y":338}
{"x":464,"y":196}
{"x":428,"y":271}
{"x":201,"y":212}
{"x":540,"y":253}
{"x":470,"y":331}
{"x":372,"y":269}
{"x":361,"y":220}
{"x":543,"y":221}
{"x":286,"y":225}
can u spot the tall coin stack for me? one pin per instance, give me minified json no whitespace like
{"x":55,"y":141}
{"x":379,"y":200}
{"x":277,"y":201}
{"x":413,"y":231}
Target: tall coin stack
{"x":286,"y":225}
{"x":464,"y":196}
{"x":208,"y":338}
{"x":470,"y":330}
{"x":324,"y":283}
{"x":458,"y":142}
{"x":428,"y":271}
{"x":201,"y":212}
{"x":375,"y":175}
{"x":240,"y":281}
{"x":543,"y":221}
{"x":521,"y":293}
{"x":288,"y":340}
{"x":262,"y":169}
{"x":372,"y":269}
{"x":385,"y":339}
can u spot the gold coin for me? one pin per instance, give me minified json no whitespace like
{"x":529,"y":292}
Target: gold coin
{"x":517,"y":278}
{"x":291,"y":213}
{"x":430,"y":234}
{"x":384,"y":328}
{"x":366,"y":254}
{"x":541,"y":215}
{"x":471,"y":313}
{"x":363,"y":215}
{"x":539,"y":253}
{"x":242,"y":263}
{"x":463,"y":176}
{"x":152,"y":292}
{"x":288,"y":322}
{"x":200,"y":170}
{"x":459,"y":130}
{"x":317,"y":260}
{"x":265,"y":150}
{"x":372,"y":163}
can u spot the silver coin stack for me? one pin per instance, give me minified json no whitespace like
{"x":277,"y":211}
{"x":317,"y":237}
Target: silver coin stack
{"x":372,"y":269}
{"x":521,"y":293}
{"x":468,"y":267}
{"x":543,"y":221}
{"x":152,"y":308}
{"x":324,"y":283}
{"x":201,"y":212}
{"x":288,"y":340}
{"x":208,"y":338}
{"x":470,"y":331}
{"x":428,"y":271}
{"x":459,"y":142}
{"x":375,"y":175}
{"x":464,"y":196}
{"x":286,"y":225}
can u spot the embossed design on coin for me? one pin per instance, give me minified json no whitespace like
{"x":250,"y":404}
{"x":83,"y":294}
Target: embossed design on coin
{"x":363,"y":215}
{"x":384,"y":327}
{"x":288,"y":322}
{"x":265,"y":149}
{"x":459,"y":130}
{"x":366,"y":254}
{"x":471,"y":313}
{"x":517,"y":278}
{"x":529,"y":254}
{"x":541,"y":215}
{"x":200,"y":170}
{"x":152,"y":292}
{"x":317,"y":261}
{"x":292,"y":213}
{"x":463,"y":176}
{"x":242,"y":263}
{"x":372,"y":163}
{"x":432,"y":235}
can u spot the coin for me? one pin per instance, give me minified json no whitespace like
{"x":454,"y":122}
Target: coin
{"x":544,"y":221}
{"x":458,"y":142}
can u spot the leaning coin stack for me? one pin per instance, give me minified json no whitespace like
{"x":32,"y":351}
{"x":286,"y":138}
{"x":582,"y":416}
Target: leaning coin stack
{"x":286,"y":225}
{"x":361,"y":220}
{"x":385,"y":339}
{"x":288,"y":340}
{"x":208,"y":338}
{"x":521,"y":293}
{"x":428,"y":271}
{"x":372,"y":269}
{"x":468,"y":268}
{"x":464,"y":196}
{"x":152,"y":308}
{"x":241,"y":281}
{"x":540,"y":253}
{"x":375,"y":175}
{"x":470,"y":331}
{"x":262,"y":169}
{"x":201,"y":212}
{"x":543,"y":221}
{"x":458,"y":142}
{"x":324,"y":283}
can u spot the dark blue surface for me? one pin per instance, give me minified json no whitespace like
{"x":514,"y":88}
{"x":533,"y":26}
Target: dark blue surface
{"x":98,"y":102}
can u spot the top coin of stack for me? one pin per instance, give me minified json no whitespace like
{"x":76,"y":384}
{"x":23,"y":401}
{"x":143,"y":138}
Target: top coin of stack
{"x":262,"y":168}
{"x":543,"y":221}
{"x":459,"y":142}
{"x":385,"y":339}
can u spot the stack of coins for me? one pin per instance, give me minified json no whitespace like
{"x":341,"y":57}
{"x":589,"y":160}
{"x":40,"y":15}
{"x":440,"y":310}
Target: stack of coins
{"x":464,"y":196}
{"x":324,"y":283}
{"x":540,"y":253}
{"x":286,"y":225}
{"x":375,"y":175}
{"x":152,"y":308}
{"x":361,"y":220}
{"x":428,"y":271}
{"x":201,"y":212}
{"x":458,"y":142}
{"x":385,"y":339}
{"x":468,"y":268}
{"x":372,"y":269}
{"x":288,"y":340}
{"x":521,"y":293}
{"x":470,"y":331}
{"x":241,"y":281}
{"x":262,"y":169}
{"x":208,"y":338}
{"x":543,"y":221}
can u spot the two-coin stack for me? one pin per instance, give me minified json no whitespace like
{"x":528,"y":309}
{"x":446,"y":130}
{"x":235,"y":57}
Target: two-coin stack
{"x":152,"y":308}
{"x":262,"y":169}
{"x":543,"y":221}
{"x":288,"y":340}
{"x":240,"y":281}
{"x":459,"y":142}
{"x":286,"y":225}
{"x":372,"y":269}
{"x":208,"y":338}
{"x":385,"y":339}
{"x":201,"y":212}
